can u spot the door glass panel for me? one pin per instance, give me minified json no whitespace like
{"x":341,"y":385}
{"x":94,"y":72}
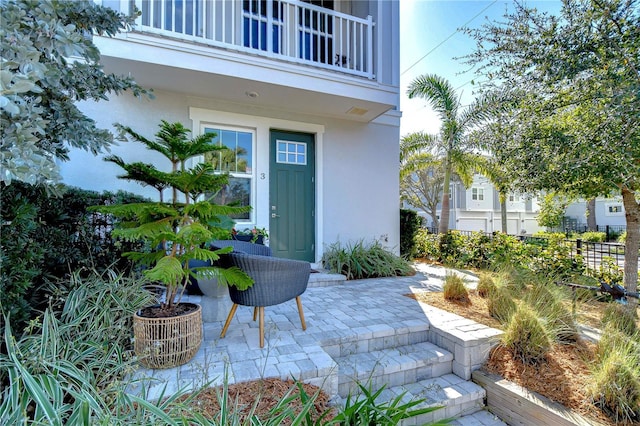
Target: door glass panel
{"x":292,"y":153}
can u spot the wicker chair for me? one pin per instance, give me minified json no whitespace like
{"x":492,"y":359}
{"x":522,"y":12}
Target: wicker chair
{"x":276,"y":281}
{"x":243,"y":246}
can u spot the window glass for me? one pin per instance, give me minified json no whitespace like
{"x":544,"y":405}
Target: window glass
{"x":237,"y":160}
{"x":292,"y":153}
{"x":238,"y":191}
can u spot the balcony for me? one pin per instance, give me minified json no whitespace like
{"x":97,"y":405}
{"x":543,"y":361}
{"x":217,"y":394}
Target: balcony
{"x":288,"y":30}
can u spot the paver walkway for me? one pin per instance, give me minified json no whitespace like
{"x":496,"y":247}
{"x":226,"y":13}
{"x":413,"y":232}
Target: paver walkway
{"x":356,"y":317}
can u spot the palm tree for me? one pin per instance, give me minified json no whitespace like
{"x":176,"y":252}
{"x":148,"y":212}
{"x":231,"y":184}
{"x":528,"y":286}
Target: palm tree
{"x":451,"y":143}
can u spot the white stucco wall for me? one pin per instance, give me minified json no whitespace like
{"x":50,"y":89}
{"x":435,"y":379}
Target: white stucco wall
{"x":356,"y":163}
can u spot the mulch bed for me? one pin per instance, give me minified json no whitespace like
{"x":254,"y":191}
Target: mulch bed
{"x":261,"y":394}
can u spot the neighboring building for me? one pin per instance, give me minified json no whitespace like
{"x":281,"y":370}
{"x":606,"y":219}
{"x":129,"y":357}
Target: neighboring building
{"x":477,"y":208}
{"x":305,"y":92}
{"x":609,"y":212}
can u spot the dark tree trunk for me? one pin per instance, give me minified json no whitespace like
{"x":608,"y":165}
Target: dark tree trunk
{"x":632,"y":213}
{"x":591,"y":215}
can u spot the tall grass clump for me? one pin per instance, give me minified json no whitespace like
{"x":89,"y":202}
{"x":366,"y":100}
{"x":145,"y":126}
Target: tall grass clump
{"x":526,"y":336}
{"x":546,"y":299}
{"x":615,"y":385}
{"x":455,"y":290}
{"x":359,"y":260}
{"x":620,"y":318}
{"x":486,"y":285}
{"x":501,"y":305}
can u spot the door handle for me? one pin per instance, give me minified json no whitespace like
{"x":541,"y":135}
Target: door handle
{"x":273,"y":215}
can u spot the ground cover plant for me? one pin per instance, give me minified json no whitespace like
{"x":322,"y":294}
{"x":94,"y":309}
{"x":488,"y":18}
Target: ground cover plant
{"x":360,"y":260}
{"x":541,"y":351}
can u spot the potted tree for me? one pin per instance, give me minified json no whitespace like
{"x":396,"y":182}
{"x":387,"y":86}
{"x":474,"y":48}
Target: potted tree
{"x":175,"y":233}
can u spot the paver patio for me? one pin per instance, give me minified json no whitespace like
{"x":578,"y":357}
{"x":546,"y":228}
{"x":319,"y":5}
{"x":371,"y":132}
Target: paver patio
{"x":353,"y":329}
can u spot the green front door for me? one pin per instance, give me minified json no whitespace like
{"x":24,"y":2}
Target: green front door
{"x":292,"y":195}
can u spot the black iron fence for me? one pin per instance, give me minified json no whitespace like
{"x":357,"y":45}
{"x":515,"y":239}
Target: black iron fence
{"x":595,"y":255}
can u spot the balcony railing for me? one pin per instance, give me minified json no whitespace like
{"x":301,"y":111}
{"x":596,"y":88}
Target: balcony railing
{"x":289,"y":30}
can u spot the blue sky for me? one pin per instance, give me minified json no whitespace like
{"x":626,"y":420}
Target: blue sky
{"x":430,"y":40}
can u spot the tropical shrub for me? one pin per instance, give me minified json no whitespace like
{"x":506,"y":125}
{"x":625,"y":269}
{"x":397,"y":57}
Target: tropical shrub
{"x":450,"y":246}
{"x":69,"y":365}
{"x":359,"y":260}
{"x":45,"y":237}
{"x":526,"y":336}
{"x":454,"y":289}
{"x":365,"y":409}
{"x":409,"y":226}
{"x":427,"y":245}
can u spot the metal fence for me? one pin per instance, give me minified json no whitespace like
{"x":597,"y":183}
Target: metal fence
{"x":593,"y":254}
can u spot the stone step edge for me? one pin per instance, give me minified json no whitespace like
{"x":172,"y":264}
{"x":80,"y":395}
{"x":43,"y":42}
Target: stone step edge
{"x":362,"y":366}
{"x":324,"y":279}
{"x":375,"y":338}
{"x":456,"y":396}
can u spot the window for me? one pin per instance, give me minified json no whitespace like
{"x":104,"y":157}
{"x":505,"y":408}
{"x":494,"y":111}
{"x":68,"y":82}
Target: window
{"x":614,"y":209}
{"x":292,"y":153}
{"x":477,"y":194}
{"x":514,"y":198}
{"x":237,"y":160}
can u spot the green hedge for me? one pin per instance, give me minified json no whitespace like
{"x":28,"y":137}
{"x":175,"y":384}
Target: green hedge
{"x":409,"y":225}
{"x":479,"y":250}
{"x":44,"y":238}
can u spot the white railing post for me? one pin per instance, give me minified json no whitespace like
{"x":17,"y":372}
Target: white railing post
{"x":370,"y":46}
{"x":269,"y":29}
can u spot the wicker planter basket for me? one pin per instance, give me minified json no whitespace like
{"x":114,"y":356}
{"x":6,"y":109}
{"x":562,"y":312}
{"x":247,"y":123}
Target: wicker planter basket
{"x":167,"y":342}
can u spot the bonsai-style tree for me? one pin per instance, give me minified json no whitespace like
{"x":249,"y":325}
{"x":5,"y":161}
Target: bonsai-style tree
{"x":176,"y":231}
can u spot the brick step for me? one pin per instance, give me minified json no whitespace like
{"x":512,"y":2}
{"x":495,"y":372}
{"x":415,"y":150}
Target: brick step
{"x":392,"y":366}
{"x":456,"y":396}
{"x":324,"y":279}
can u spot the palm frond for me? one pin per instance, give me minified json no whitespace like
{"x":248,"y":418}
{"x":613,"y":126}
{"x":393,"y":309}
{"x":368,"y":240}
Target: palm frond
{"x":438,"y":92}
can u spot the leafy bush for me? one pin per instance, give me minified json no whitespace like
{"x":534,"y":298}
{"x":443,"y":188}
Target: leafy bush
{"x":486,"y":285}
{"x":608,"y":271}
{"x":358,"y":261}
{"x":47,"y":238}
{"x":450,"y":249}
{"x":455,"y":290}
{"x":593,"y":237}
{"x":427,"y":245}
{"x":501,"y":304}
{"x":409,"y":226}
{"x":555,"y":259}
{"x":526,"y":336}
{"x":622,"y":238}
